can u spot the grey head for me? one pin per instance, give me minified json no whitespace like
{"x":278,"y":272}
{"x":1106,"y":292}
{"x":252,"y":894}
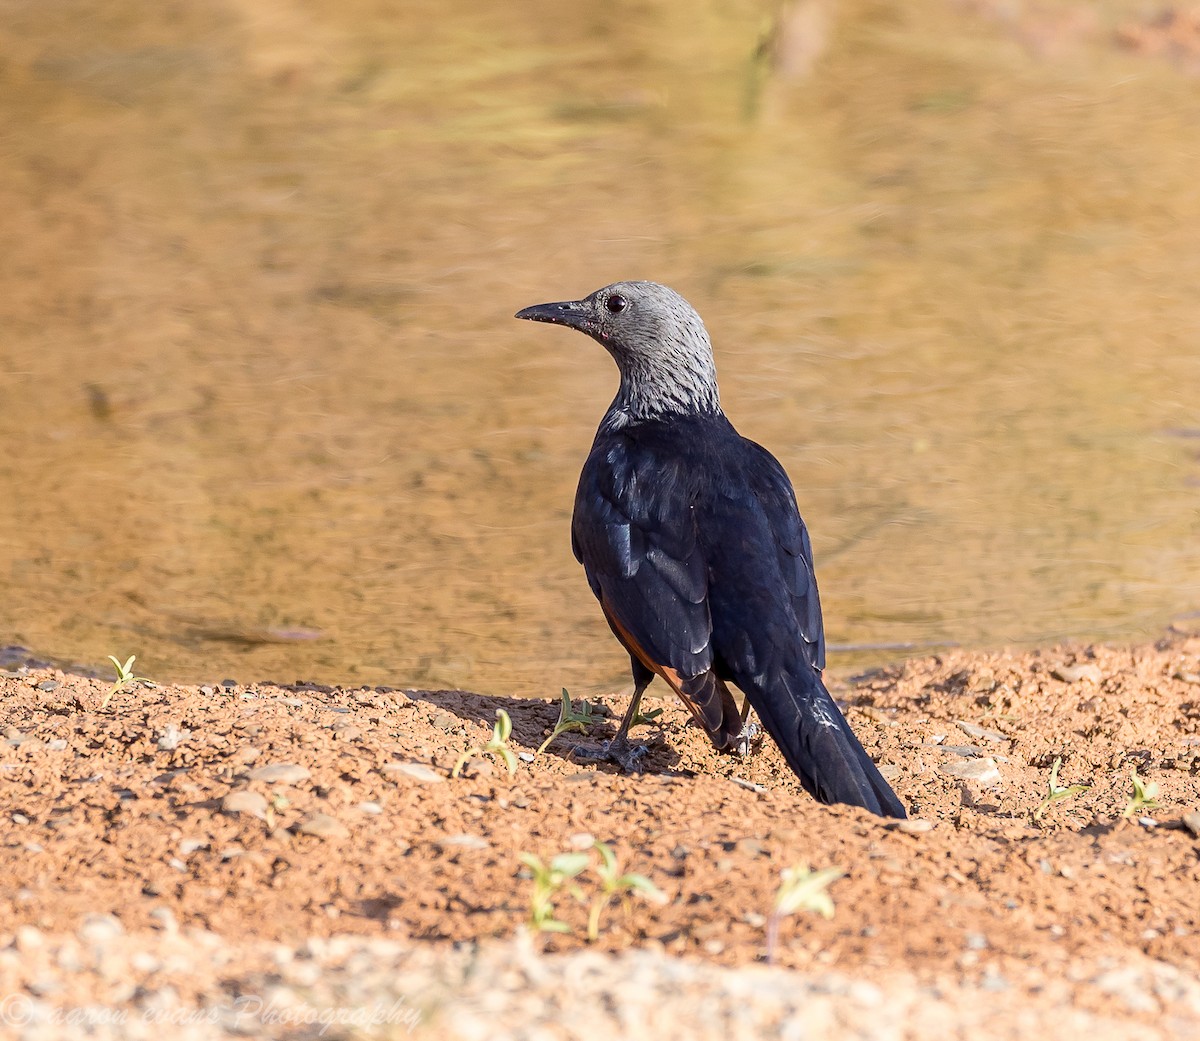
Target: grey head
{"x":657,"y":340}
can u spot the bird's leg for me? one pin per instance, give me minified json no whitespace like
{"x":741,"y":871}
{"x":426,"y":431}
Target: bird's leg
{"x":619,"y":750}
{"x":751,"y":733}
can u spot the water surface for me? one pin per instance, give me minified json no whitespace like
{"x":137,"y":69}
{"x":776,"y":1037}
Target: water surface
{"x":266,"y":414}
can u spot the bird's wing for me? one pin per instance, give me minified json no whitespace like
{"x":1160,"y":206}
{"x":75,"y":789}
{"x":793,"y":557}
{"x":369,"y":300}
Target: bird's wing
{"x":767,"y":633}
{"x":634,"y":531}
{"x":777,"y":503}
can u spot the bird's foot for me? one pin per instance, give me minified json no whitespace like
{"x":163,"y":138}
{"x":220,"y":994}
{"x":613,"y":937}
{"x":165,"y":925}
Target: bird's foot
{"x":627,"y":756}
{"x":749,"y":739}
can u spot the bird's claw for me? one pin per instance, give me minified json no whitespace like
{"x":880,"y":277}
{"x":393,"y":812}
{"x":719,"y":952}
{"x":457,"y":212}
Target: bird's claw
{"x":628,"y":757}
{"x":750,"y":737}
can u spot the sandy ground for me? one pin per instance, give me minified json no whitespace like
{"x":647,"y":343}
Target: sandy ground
{"x":232,"y":860}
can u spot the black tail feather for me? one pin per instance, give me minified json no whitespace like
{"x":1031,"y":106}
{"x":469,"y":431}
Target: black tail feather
{"x":802,"y":717}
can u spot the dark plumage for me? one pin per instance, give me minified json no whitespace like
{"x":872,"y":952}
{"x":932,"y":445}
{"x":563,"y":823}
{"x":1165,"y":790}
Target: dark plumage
{"x":691,"y":540}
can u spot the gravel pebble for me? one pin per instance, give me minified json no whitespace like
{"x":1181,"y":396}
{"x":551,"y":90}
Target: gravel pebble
{"x":171,"y":737}
{"x":914,"y":826}
{"x":981,"y":771}
{"x":963,"y":751}
{"x":242,"y":800}
{"x":1075,"y":673}
{"x":281,"y":773}
{"x":322,"y":826}
{"x":980,"y":733}
{"x":417,"y":771}
{"x":465,"y":842}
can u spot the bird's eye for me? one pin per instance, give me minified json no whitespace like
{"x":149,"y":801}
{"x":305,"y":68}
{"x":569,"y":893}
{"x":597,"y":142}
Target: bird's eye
{"x":616,"y":303}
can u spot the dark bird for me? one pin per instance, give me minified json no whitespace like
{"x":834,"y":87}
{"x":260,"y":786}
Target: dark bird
{"x":691,"y":540}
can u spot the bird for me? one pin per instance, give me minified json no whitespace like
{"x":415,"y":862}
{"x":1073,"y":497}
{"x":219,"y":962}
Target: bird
{"x":692,"y":542}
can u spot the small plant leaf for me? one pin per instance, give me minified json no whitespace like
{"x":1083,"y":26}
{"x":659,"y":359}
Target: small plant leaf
{"x":608,"y":860}
{"x":503,"y":728}
{"x":568,"y":865}
{"x":640,"y":717}
{"x":125,"y":677}
{"x":1144,"y":797}
{"x":570,"y":717}
{"x":640,"y":883}
{"x":1056,"y":793}
{"x":804,"y":890}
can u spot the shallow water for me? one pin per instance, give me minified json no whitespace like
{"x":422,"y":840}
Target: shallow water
{"x":267,"y":415}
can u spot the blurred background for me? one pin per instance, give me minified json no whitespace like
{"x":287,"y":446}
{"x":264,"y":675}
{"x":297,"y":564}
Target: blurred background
{"x":264,"y":411}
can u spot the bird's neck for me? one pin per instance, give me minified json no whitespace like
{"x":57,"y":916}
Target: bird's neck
{"x":646,"y":394}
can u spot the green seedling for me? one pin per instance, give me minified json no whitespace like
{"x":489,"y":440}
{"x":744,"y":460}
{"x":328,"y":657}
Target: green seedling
{"x":577,"y":716}
{"x":640,"y":717}
{"x":1055,"y":793}
{"x":497,"y":746}
{"x":1144,"y":797}
{"x":125,"y":678}
{"x":800,"y":890}
{"x":548,"y":880}
{"x":615,"y":884}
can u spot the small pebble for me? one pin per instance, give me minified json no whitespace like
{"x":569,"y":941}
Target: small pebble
{"x":980,"y":733}
{"x":417,"y":771}
{"x":466,"y":842}
{"x":914,"y":826}
{"x":242,"y":800}
{"x":1191,"y":821}
{"x":282,"y":773}
{"x":982,"y":771}
{"x":322,"y":826}
{"x":964,"y":751}
{"x":476,"y":767}
{"x":1075,"y":673}
{"x":28,"y":938}
{"x":171,"y":737}
{"x":96,"y":928}
{"x":163,"y":918}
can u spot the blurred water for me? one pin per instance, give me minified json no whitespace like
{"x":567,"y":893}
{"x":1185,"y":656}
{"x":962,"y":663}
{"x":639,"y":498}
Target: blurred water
{"x":266,"y":413}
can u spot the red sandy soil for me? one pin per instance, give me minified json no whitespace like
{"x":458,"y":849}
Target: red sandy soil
{"x":180,"y":848}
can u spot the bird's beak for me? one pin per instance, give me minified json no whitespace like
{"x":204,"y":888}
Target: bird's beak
{"x":575,"y":314}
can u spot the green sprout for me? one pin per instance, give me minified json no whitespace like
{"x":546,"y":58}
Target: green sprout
{"x":125,"y":678}
{"x":1056,"y":793}
{"x":641,"y":717}
{"x":1144,"y":797}
{"x":800,"y":890}
{"x":497,"y":746}
{"x":570,"y":717}
{"x":548,"y":879}
{"x":613,"y":883}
